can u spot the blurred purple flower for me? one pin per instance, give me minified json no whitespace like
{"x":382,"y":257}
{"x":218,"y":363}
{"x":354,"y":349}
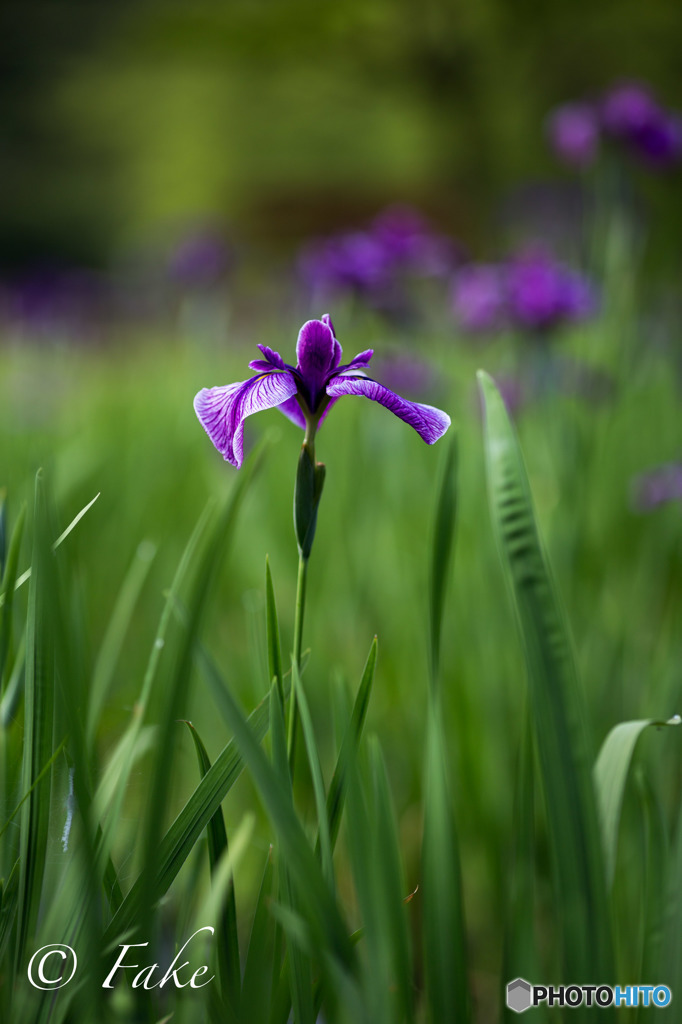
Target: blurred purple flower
{"x":658,"y":487}
{"x":372,"y":262}
{"x":201,"y":258}
{"x":53,"y":300}
{"x":531,"y":291}
{"x":543,"y":293}
{"x":631,"y":114}
{"x":573,"y":131}
{"x":304,"y":393}
{"x":479,"y":297}
{"x":355,"y":261}
{"x":411,"y":244}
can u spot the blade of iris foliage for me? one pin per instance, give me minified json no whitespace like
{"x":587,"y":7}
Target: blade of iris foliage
{"x":112,"y":643}
{"x":443,"y":539}
{"x":38,"y":720}
{"x":297,"y":961}
{"x":258,"y":967}
{"x":207,"y":562}
{"x":317,"y":779}
{"x":671,"y":966}
{"x":610,"y":775}
{"x":444,"y":932}
{"x":656,"y":858}
{"x":321,"y":910}
{"x":10,"y":569}
{"x":227,"y":940}
{"x":556,"y":706}
{"x":19,"y":581}
{"x":117,"y":773}
{"x":274,"y":646}
{"x":349,"y":747}
{"x":520,"y":953}
{"x":377,"y":874}
{"x":179,"y":840}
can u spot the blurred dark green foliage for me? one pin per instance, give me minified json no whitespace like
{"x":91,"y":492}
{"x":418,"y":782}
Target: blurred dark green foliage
{"x":288,"y":118}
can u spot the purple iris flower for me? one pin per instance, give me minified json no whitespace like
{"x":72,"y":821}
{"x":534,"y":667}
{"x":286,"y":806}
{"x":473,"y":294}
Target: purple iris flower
{"x":573,"y":131}
{"x":304,"y":393}
{"x":631,"y":114}
{"x":543,"y":293}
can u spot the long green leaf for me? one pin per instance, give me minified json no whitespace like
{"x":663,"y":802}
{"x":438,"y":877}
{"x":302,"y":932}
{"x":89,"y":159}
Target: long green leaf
{"x":116,"y":630}
{"x":38,"y":719}
{"x":227,"y":943}
{"x":610,"y":776}
{"x":444,"y":933}
{"x":556,"y":705}
{"x":443,"y":538}
{"x":8,"y":583}
{"x":349,"y":747}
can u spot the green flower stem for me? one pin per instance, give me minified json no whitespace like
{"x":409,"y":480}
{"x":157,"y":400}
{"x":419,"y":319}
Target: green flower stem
{"x":298,"y":642}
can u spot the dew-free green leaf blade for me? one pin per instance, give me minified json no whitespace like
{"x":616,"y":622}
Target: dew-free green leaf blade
{"x":556,"y":706}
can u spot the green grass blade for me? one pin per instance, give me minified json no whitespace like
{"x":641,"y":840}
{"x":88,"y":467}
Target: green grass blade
{"x":274,"y":646}
{"x":297,"y":961}
{"x":610,"y":775}
{"x":350,"y":745}
{"x":316,"y":776}
{"x":393,"y":914}
{"x":556,"y":707}
{"x":179,"y":840}
{"x":444,"y":934}
{"x":38,"y":720}
{"x":441,"y":556}
{"x":258,"y":967}
{"x":321,"y":910}
{"x":657,"y":857}
{"x":8,"y":583}
{"x":520,"y":954}
{"x":112,"y":643}
{"x":227,"y":940}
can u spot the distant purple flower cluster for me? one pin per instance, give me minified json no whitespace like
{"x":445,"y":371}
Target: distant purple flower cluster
{"x":628,"y":114}
{"x":398,"y":243}
{"x":658,"y":487}
{"x":532,"y":292}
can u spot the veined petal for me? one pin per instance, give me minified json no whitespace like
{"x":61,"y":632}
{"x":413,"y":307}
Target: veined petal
{"x":429,"y":422}
{"x":222,"y":411}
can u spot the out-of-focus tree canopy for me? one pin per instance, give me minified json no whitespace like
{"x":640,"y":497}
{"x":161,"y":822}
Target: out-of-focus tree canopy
{"x":283,"y":118}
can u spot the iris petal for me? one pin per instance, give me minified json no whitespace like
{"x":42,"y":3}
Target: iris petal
{"x":222,"y":411}
{"x":429,"y":422}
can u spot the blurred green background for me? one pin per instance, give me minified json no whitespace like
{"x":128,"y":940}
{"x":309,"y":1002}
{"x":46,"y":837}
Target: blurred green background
{"x":120,"y":123}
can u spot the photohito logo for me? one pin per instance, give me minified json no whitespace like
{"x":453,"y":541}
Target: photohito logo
{"x":521,"y":995}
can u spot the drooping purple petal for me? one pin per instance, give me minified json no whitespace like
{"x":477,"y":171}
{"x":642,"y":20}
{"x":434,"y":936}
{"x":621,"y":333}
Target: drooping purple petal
{"x":222,"y":411}
{"x":293,"y":412}
{"x":429,"y":422}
